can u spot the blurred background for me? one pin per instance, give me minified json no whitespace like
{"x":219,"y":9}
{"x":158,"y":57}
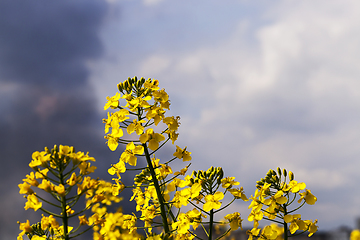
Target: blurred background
{"x":258,"y":84}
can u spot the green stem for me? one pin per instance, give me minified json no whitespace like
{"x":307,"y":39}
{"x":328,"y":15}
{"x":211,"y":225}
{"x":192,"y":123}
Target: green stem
{"x":285,"y":224}
{"x":63,"y":203}
{"x":211,"y":223}
{"x":158,"y":191}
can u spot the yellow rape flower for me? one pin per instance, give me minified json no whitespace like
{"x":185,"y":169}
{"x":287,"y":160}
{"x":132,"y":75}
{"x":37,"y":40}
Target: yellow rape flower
{"x":117,"y":168}
{"x":138,"y":102}
{"x":80,"y":157}
{"x":279,"y":230}
{"x":151,"y":137}
{"x":46,"y":185}
{"x":255,"y":216}
{"x":131,"y":150}
{"x":31,"y":179}
{"x":129,"y":223}
{"x":136,"y":126}
{"x":182,"y":154}
{"x":172,"y":135}
{"x":25,"y":228}
{"x":112,"y":102}
{"x":212,"y":201}
{"x":73,"y":179}
{"x":228,"y":182}
{"x":308,"y":196}
{"x":41,"y":174}
{"x":85,"y":168}
{"x":156,"y":113}
{"x":172,"y":122}
{"x":113,"y":138}
{"x":83,"y":220}
{"x":279,"y":198}
{"x":182,"y":171}
{"x":269,"y":233}
{"x":160,"y":96}
{"x":60,"y":190}
{"x":182,"y":225}
{"x":163,"y":171}
{"x":295,"y":222}
{"x":238,"y":193}
{"x":96,"y":219}
{"x":65,"y":150}
{"x":234,"y":220}
{"x":33,"y":202}
{"x":117,"y":188}
{"x":25,"y":188}
{"x":181,"y":198}
{"x":49,"y":221}
{"x":253,"y":233}
{"x":294,"y":186}
{"x":152,"y":85}
{"x":39,"y":159}
{"x":312,"y":228}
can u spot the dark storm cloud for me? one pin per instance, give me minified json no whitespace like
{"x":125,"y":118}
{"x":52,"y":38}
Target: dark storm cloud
{"x":48,"y":42}
{"x":44,"y":49}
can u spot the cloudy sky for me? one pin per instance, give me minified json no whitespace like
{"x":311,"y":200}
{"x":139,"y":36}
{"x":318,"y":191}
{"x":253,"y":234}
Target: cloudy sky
{"x":258,"y":84}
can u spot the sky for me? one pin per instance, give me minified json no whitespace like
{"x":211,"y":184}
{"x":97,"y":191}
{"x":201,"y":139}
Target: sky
{"x":257,"y":84}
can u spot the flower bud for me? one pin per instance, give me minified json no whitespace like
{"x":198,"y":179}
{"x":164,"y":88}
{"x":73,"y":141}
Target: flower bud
{"x":120,"y":87}
{"x":291,"y":175}
{"x":221,"y":173}
{"x":284,"y":172}
{"x":126,"y":84}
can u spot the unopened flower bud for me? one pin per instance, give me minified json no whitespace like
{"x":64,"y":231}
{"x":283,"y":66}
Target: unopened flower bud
{"x":120,"y":87}
{"x":284,"y":172}
{"x":291,"y":175}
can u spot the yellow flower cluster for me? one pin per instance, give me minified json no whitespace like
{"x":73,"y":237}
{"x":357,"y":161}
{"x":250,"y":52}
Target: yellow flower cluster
{"x":158,"y":190}
{"x":61,"y":170}
{"x":272,"y":200}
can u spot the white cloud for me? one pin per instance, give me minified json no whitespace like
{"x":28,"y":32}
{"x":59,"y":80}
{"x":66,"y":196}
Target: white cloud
{"x":152,"y":2}
{"x":155,"y":64}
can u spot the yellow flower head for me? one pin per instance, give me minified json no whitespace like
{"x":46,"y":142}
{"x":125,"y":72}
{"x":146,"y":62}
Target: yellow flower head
{"x":128,"y":155}
{"x":234,"y":220}
{"x":25,"y":188}
{"x":212,"y":201}
{"x":112,"y":102}
{"x":182,"y":154}
{"x":46,"y":185}
{"x":152,"y":137}
{"x":39,"y":159}
{"x":308,"y":196}
{"x":228,"y":182}
{"x":33,"y":202}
